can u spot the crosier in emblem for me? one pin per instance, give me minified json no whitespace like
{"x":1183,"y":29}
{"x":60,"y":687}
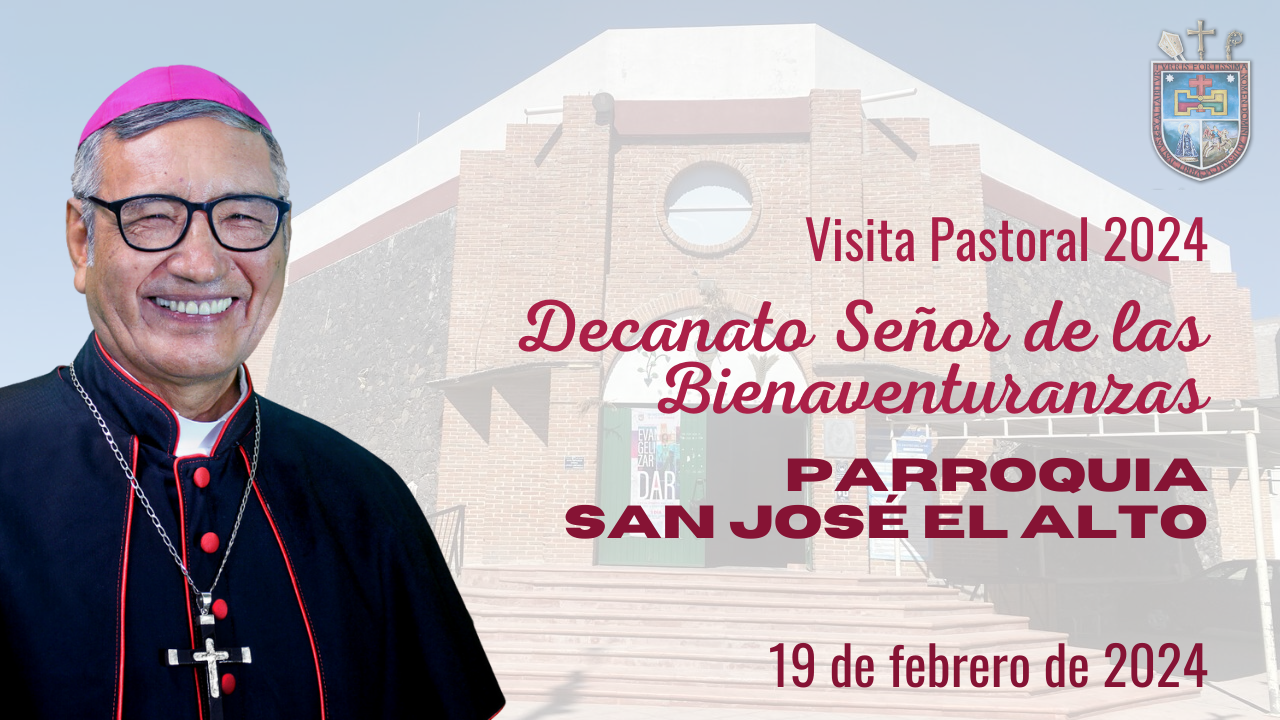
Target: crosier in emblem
{"x":1200,"y":109}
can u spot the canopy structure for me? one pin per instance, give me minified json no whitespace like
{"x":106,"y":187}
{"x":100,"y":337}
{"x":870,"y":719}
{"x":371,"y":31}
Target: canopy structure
{"x":1232,"y":434}
{"x":1210,"y":437}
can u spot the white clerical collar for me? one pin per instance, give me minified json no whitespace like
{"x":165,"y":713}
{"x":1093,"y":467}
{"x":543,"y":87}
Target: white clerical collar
{"x":197,"y":438}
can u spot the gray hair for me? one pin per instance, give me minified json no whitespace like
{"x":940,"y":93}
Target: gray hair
{"x":86,"y":177}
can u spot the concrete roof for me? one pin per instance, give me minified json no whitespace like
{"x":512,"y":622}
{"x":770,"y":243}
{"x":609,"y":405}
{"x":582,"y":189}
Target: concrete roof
{"x":711,"y":63}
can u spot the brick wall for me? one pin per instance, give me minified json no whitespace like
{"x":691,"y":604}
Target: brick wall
{"x":1227,"y":366}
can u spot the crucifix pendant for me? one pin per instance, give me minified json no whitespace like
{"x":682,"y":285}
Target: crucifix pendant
{"x":209,"y":656}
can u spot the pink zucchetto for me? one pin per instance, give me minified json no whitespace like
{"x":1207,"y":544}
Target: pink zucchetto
{"x":166,"y":84}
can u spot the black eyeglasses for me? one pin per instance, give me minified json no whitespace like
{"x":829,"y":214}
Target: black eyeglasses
{"x":242,"y":223}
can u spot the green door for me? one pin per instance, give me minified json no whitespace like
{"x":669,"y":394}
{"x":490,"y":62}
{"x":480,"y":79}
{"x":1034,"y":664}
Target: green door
{"x":673,"y":445}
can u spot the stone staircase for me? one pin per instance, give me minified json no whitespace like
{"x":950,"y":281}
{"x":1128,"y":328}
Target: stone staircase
{"x":651,"y":636}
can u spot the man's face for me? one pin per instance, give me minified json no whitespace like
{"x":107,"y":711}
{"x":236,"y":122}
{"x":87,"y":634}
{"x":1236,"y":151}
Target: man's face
{"x":200,"y":159}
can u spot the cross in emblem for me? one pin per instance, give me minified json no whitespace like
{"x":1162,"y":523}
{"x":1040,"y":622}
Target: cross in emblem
{"x":1200,"y":32}
{"x":1200,"y":83}
{"x":209,"y":656}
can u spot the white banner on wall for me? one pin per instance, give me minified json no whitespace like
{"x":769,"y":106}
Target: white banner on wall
{"x":655,"y":459}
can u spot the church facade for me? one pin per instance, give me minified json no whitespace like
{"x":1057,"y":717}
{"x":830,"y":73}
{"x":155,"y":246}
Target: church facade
{"x":644,"y":202}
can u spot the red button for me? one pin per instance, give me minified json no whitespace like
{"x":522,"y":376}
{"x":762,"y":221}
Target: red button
{"x":209,"y":542}
{"x":220,"y":609}
{"x":228,"y":683}
{"x":201,"y":477}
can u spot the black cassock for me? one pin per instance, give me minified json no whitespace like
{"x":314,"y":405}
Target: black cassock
{"x":335,"y":582}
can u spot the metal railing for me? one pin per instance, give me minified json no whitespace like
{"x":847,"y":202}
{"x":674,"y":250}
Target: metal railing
{"x":449,"y":526}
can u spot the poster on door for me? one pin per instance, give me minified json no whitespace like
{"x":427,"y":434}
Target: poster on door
{"x":655,"y":462}
{"x":916,"y":548}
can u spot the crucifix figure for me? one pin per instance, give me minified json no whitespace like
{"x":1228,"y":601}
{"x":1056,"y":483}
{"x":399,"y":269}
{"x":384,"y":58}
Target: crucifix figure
{"x":209,"y":656}
{"x":1200,"y":32}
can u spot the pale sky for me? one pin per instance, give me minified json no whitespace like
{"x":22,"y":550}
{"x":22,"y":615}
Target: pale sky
{"x":343,"y":86}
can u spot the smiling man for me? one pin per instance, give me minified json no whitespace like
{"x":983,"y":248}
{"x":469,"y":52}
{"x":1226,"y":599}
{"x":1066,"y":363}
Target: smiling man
{"x":171,"y":544}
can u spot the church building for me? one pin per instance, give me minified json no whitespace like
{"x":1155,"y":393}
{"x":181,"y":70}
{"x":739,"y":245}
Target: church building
{"x":672,"y":174}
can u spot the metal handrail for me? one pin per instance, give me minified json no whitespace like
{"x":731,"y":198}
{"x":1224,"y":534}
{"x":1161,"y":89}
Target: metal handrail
{"x":449,"y":526}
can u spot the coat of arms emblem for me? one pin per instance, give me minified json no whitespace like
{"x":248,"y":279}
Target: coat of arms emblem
{"x":1199,"y":110}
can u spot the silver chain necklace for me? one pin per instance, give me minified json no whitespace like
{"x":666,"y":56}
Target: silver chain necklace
{"x":137,"y":489}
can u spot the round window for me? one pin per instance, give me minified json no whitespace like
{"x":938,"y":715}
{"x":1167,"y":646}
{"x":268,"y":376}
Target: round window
{"x":708,"y":205}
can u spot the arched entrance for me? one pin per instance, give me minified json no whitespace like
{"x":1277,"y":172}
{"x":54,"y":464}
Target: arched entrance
{"x":731,"y":461}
